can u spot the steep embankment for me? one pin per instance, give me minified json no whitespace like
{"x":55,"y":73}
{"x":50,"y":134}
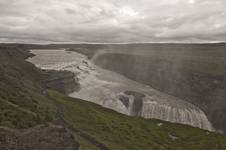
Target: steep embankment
{"x":198,"y":79}
{"x":25,"y":102}
{"x":22,"y":102}
{"x":24,"y":105}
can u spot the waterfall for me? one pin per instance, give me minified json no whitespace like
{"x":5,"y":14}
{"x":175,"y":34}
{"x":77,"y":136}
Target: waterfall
{"x":190,"y":116}
{"x":119,"y":93}
{"x":157,"y":108}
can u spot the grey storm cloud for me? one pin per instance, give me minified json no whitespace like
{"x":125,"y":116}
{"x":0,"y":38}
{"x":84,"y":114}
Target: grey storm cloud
{"x":112,"y":21}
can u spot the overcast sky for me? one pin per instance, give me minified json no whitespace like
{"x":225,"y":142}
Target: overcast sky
{"x":113,"y":21}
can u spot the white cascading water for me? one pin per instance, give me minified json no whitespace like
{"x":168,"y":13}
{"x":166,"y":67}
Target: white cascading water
{"x":109,"y":89}
{"x":190,"y":116}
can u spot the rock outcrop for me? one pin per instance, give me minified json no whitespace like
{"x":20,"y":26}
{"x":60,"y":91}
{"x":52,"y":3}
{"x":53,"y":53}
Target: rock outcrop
{"x":137,"y":102}
{"x":62,"y":81}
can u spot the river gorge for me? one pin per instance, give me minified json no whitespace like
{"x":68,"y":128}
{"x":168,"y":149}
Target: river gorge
{"x":117,"y":92}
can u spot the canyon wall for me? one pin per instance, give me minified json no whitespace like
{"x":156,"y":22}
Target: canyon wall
{"x":62,"y":81}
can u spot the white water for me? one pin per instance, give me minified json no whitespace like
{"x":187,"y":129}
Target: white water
{"x":105,"y":87}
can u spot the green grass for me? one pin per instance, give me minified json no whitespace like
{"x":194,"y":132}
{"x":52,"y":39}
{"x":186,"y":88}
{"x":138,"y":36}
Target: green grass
{"x":22,"y":103}
{"x":120,"y":132}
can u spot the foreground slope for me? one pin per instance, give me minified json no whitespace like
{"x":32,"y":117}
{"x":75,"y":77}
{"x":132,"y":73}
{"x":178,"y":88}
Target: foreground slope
{"x":120,"y":132}
{"x":29,"y":113}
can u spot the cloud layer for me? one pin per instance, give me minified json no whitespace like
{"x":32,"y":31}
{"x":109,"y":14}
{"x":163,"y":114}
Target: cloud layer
{"x":112,"y":21}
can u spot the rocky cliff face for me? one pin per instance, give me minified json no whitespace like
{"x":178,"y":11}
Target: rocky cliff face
{"x":62,"y":81}
{"x":199,"y":81}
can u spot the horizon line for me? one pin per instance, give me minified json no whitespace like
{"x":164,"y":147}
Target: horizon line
{"x":123,"y":43}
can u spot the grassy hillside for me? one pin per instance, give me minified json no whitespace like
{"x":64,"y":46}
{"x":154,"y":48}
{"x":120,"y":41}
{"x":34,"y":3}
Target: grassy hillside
{"x":22,"y":103}
{"x":25,"y":103}
{"x":120,"y":132}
